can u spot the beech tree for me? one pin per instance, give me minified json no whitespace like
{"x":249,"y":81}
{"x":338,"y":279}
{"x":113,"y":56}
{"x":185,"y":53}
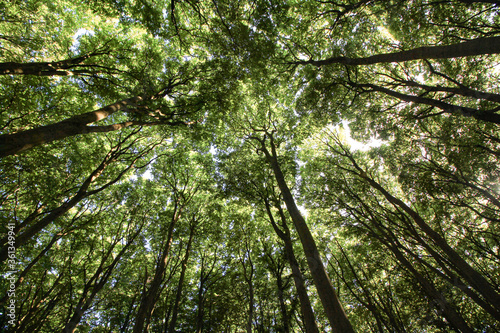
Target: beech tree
{"x":251,"y":166}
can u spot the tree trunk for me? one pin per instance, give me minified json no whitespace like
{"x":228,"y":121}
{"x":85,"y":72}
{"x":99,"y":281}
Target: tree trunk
{"x":248,"y":276}
{"x":82,"y":193}
{"x":333,"y":309}
{"x":461,"y":90}
{"x":479,"y":46}
{"x":250,"y":307}
{"x":484,"y":115}
{"x":55,"y":68}
{"x":95,"y":284}
{"x":173,"y":321}
{"x":298,"y":279}
{"x":284,"y":315}
{"x":150,"y":296}
{"x":17,"y":142}
{"x":474,"y":278}
{"x":466,"y":271}
{"x":199,"y":314}
{"x":437,"y":299}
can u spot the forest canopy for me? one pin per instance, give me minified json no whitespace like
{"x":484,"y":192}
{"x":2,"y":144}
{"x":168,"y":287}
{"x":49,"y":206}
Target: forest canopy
{"x":250,"y":166}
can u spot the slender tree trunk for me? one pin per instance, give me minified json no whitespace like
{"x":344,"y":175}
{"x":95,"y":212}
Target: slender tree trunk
{"x":248,"y":276}
{"x":298,"y":279}
{"x":57,"y":68}
{"x":484,"y":115}
{"x":284,"y":315}
{"x":199,"y":314}
{"x":333,"y":309}
{"x":474,"y":278}
{"x":495,"y":2}
{"x":95,"y":284}
{"x":17,"y":142}
{"x":462,"y":90}
{"x":462,"y":267}
{"x":150,"y":296}
{"x":33,"y":262}
{"x":369,"y":300}
{"x":479,"y":46}
{"x":126,"y":323}
{"x":250,"y":307}
{"x":173,"y":321}
{"x":82,"y":193}
{"x":437,"y":299}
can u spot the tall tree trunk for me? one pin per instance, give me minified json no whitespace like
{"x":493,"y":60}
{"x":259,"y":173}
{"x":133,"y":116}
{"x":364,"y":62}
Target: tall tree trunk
{"x":248,"y":276}
{"x":251,"y":301}
{"x":94,"y":285}
{"x":475,"y":279}
{"x":17,"y":142}
{"x":284,"y":315}
{"x":55,"y":68}
{"x":173,"y":321}
{"x":479,"y":46}
{"x":82,"y":193}
{"x":298,"y":279}
{"x":484,"y":115}
{"x":461,"y":90}
{"x":33,"y":262}
{"x":201,"y":301}
{"x":369,"y":300}
{"x":333,"y":309}
{"x":436,"y":297}
{"x":150,"y":296}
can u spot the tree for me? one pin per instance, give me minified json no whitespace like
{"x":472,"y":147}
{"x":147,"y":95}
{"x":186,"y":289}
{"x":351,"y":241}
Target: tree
{"x":331,"y":303}
{"x":173,"y":166}
{"x":474,"y":47}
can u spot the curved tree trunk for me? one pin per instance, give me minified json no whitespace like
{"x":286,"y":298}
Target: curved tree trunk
{"x":331,"y":303}
{"x":479,"y":46}
{"x":150,"y":296}
{"x":175,"y":311}
{"x":298,"y":279}
{"x":17,"y":142}
{"x":54,"y":68}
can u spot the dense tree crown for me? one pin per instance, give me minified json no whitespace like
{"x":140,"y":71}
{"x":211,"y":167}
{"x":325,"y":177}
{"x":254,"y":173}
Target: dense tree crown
{"x":250,"y":166}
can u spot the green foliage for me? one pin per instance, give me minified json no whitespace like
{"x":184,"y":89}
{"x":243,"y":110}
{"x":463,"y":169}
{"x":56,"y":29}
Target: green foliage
{"x":92,"y":212}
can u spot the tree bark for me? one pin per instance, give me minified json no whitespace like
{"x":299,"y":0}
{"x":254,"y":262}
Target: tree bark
{"x":17,"y":142}
{"x":462,"y":267}
{"x":333,"y":309}
{"x":298,"y":279}
{"x":55,"y":68}
{"x":479,"y":46}
{"x":82,"y":193}
{"x":484,"y":115}
{"x":150,"y":296}
{"x":175,"y":311}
